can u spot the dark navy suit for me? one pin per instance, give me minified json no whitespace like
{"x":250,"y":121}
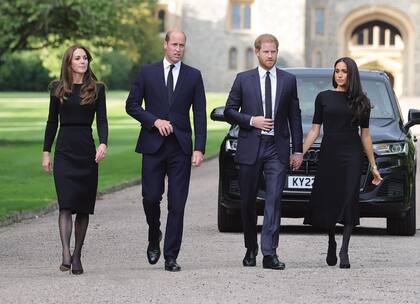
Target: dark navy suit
{"x":171,"y":155}
{"x":258,"y":154}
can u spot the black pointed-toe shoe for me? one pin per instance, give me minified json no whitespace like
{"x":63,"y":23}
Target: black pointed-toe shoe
{"x":153,"y":251}
{"x":332,"y":254}
{"x":172,"y":265}
{"x":76,"y":265}
{"x":250,"y":257}
{"x":273,"y":262}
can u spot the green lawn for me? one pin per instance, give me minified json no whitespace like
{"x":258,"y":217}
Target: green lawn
{"x":24,"y":185}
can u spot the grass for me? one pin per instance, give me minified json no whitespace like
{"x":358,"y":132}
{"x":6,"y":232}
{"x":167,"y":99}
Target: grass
{"x":23,"y":183}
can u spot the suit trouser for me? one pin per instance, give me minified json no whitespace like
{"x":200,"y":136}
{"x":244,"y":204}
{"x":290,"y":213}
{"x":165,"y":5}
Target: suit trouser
{"x":171,"y":161}
{"x":249,"y":175}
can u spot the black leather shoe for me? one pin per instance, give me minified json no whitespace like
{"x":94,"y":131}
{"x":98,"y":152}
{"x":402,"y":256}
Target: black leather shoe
{"x":172,"y":265}
{"x":250,"y":257}
{"x":272,"y":262}
{"x":332,"y":255}
{"x":153,"y":251}
{"x":344,"y":260}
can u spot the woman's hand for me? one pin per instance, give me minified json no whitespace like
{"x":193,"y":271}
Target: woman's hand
{"x":376,"y":177}
{"x":46,"y":162}
{"x":100,"y":153}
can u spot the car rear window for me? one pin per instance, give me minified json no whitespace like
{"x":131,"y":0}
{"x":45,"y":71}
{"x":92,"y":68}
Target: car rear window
{"x":310,"y":86}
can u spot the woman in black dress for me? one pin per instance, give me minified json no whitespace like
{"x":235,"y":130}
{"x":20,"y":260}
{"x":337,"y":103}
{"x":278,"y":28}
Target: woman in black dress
{"x":74,"y":101}
{"x":335,"y":193}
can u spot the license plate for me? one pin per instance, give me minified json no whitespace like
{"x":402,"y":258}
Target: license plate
{"x":300,"y":182}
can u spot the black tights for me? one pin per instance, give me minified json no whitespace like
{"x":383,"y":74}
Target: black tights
{"x":65,"y":224}
{"x":346,"y":237}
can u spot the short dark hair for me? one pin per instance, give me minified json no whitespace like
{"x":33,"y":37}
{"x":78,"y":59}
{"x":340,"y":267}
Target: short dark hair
{"x":169,"y":33}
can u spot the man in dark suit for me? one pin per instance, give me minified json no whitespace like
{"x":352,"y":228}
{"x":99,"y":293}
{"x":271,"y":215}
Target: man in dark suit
{"x":169,"y":88}
{"x":265,"y":105}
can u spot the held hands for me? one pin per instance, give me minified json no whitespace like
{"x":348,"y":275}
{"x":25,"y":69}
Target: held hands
{"x":164,"y":126}
{"x":197,"y":158}
{"x":100,"y":153}
{"x":296,"y":161}
{"x":46,"y":162}
{"x":260,"y":122}
{"x":376,"y":177}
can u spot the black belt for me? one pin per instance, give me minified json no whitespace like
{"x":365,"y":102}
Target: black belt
{"x":75,"y":125}
{"x":267,"y":138}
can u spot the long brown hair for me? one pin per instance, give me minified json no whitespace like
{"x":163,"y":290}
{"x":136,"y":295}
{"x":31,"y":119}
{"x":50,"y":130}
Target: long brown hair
{"x":63,"y":87}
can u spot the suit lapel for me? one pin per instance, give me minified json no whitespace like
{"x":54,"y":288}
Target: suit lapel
{"x":279,"y":89}
{"x":160,"y":76}
{"x":257,"y":89}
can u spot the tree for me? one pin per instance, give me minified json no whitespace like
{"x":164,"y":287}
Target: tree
{"x":36,"y":24}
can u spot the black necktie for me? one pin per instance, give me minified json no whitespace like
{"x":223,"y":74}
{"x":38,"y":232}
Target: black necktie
{"x":268,"y":103}
{"x":170,"y":85}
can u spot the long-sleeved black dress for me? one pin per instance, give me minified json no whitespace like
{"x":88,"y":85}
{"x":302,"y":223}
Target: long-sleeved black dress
{"x":335,"y":193}
{"x":74,"y":166}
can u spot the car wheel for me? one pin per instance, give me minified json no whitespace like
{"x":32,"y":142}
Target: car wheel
{"x":227,"y":222}
{"x":407,"y":225}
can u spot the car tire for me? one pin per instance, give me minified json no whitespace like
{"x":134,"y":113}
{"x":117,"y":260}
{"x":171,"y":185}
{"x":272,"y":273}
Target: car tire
{"x":227,"y":222}
{"x":405,"y":226}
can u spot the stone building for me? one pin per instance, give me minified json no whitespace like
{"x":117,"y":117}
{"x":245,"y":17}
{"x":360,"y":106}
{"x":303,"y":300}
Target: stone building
{"x":378,"y":34}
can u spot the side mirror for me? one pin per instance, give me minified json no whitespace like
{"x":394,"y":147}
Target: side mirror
{"x":218,"y":115}
{"x":413,"y":118}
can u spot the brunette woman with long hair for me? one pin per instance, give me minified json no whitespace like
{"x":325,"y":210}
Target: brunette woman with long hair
{"x":75,"y":99}
{"x":335,"y":193}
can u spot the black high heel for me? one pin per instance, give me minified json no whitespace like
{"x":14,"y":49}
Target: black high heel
{"x":344,"y":260}
{"x":66,"y":267}
{"x":77,"y":271}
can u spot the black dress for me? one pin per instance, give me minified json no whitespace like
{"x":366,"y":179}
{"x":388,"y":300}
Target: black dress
{"x":335,"y":193}
{"x":74,"y":166}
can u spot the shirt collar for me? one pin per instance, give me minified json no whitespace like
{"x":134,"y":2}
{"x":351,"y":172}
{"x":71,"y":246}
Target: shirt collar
{"x":262,"y":71}
{"x":166,"y":64}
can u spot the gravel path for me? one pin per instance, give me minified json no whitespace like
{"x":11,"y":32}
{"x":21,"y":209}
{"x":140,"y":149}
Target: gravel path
{"x":385,"y":269}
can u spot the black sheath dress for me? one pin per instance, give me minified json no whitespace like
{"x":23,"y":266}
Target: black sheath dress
{"x":74,"y":166}
{"x":335,"y":193}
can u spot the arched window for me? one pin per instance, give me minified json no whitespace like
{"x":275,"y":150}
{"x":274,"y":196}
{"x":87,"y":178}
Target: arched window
{"x":249,"y":58}
{"x":233,"y":58}
{"x":161,"y":17}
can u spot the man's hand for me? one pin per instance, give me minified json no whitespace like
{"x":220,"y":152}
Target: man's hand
{"x":164,"y":126}
{"x":296,"y":161}
{"x":260,"y":122}
{"x":197,"y":158}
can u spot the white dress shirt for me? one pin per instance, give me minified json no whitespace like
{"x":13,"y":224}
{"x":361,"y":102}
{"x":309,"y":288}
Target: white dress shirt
{"x":273,"y":78}
{"x":175,"y":70}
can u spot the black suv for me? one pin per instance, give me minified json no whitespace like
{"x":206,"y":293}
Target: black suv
{"x":394,"y":149}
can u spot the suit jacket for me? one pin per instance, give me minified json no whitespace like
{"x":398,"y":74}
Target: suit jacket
{"x":150,"y":87}
{"x":245,"y":101}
